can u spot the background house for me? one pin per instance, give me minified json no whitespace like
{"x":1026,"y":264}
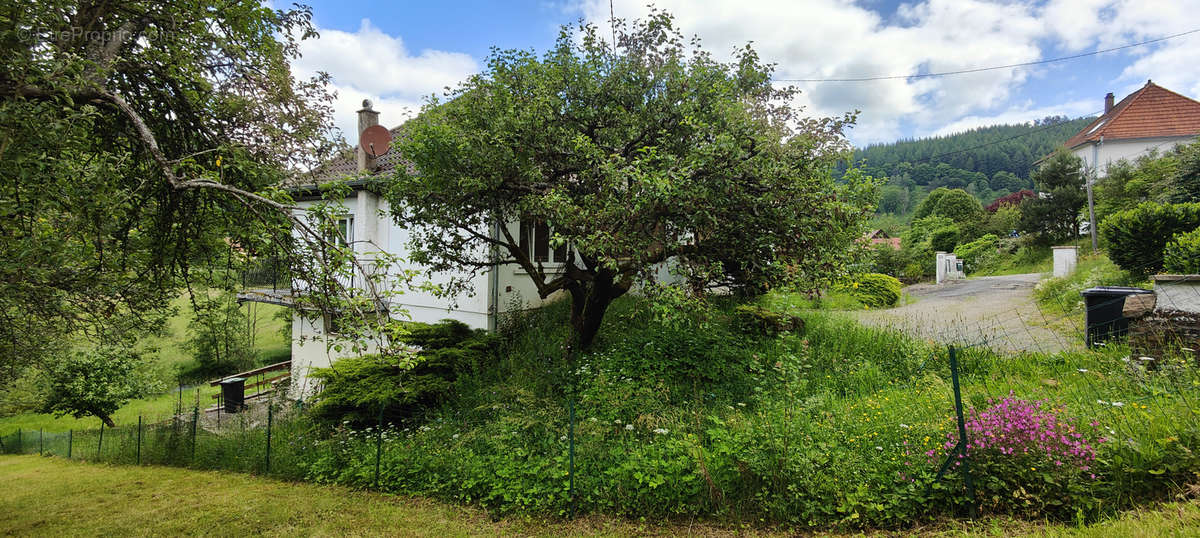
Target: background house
{"x":368,"y":226}
{"x":1150,"y":118}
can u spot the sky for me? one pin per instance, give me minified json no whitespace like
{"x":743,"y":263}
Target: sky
{"x":399,"y":53}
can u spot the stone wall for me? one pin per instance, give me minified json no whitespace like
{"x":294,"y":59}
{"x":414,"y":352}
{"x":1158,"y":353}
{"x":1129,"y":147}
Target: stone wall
{"x":1163,"y":331}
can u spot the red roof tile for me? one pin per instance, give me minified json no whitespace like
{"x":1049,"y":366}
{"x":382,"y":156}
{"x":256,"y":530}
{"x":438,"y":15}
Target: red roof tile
{"x":1150,"y":112}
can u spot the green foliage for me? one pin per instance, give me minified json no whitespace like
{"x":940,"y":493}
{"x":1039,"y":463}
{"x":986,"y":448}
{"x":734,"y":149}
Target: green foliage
{"x":1182,"y":254}
{"x":758,"y":320}
{"x":944,"y":239}
{"x":1061,"y":294}
{"x":631,"y":156}
{"x":1136,"y":237}
{"x":1172,"y":176}
{"x":977,"y":253}
{"x":887,"y":260}
{"x":360,"y":391}
{"x":841,"y":427}
{"x":960,"y":207}
{"x":143,"y":129}
{"x":95,"y":382}
{"x":1004,"y":153}
{"x":874,"y":290}
{"x":218,"y":340}
{"x":1002,"y":222}
{"x":1053,"y":216}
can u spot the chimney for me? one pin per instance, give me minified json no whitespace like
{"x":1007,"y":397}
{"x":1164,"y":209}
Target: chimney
{"x":366,"y":118}
{"x":1108,"y":105}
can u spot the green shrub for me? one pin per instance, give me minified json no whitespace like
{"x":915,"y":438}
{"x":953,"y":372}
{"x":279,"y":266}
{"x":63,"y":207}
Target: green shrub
{"x":944,"y":239}
{"x":758,"y":320}
{"x":875,"y":290}
{"x":1182,"y":254}
{"x":978,"y":252}
{"x":1137,"y":237}
{"x":359,"y":389}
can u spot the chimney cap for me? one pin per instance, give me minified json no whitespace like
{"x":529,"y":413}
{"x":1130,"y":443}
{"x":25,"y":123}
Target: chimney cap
{"x":366,"y":105}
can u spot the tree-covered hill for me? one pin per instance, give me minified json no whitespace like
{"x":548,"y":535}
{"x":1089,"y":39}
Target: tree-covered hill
{"x":987,"y":162}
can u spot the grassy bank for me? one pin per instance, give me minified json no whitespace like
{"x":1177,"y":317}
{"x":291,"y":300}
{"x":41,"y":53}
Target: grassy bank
{"x":700,"y":412}
{"x":170,"y":354}
{"x":60,"y":498}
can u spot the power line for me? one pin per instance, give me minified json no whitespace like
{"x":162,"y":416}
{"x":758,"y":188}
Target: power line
{"x":992,"y":68}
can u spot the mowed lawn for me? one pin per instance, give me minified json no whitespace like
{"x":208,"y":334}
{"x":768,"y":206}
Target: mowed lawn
{"x":170,"y":354}
{"x":53,"y":497}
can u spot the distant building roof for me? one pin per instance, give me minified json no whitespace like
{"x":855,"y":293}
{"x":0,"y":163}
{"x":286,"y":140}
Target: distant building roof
{"x":1150,"y":112}
{"x":346,"y":164}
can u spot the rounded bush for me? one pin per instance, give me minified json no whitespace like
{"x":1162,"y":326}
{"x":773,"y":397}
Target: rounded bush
{"x":1182,"y":254}
{"x":875,"y":290}
{"x":1137,"y":237}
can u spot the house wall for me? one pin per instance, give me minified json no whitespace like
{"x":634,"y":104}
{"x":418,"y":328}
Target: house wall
{"x":311,"y":349}
{"x":1099,"y":156}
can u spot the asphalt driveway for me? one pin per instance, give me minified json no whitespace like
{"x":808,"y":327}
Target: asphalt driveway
{"x":997,"y":311}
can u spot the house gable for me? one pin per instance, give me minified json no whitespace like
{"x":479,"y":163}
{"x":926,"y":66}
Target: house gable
{"x":1150,"y":112}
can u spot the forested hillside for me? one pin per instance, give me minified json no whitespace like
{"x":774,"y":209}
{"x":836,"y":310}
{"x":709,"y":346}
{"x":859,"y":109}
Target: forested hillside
{"x":987,"y":162}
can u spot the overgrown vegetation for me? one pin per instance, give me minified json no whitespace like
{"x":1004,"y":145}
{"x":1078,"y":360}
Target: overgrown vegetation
{"x":831,"y":424}
{"x":1062,"y":294}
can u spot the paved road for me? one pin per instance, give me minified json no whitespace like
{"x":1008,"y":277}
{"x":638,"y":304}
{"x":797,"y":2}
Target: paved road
{"x":998,"y":310}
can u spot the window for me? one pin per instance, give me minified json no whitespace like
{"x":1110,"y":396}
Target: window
{"x":535,"y":239}
{"x":345,"y":232}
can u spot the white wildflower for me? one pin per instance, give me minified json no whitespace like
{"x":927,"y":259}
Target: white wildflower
{"x":661,"y":431}
{"x":1083,"y":370}
{"x":629,"y":427}
{"x":1118,"y":404}
{"x":878,"y":447}
{"x":905,"y":426}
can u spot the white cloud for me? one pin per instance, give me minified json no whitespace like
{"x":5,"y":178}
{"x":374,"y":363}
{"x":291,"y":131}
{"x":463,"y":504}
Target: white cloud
{"x":836,"y":39}
{"x":1017,"y":114}
{"x":370,"y":64}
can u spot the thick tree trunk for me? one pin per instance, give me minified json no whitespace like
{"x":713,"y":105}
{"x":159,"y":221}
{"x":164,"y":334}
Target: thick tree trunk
{"x":589,"y":302}
{"x":107,"y":420}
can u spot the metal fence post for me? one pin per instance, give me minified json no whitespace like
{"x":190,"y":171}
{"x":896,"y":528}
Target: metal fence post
{"x":100,"y":443}
{"x":195,"y":422}
{"x":962,"y":430}
{"x":270,"y":419}
{"x":571,"y":455}
{"x":139,"y":441}
{"x":70,"y":442}
{"x":20,"y":443}
{"x":41,"y":444}
{"x":378,"y":444}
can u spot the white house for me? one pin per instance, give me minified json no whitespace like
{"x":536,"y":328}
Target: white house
{"x":367,"y":225}
{"x":1150,"y":118}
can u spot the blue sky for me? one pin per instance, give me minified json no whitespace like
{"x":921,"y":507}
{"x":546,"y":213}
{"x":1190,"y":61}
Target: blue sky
{"x":396,"y":53}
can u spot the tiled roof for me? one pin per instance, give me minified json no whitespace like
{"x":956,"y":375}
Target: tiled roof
{"x":346,"y":164}
{"x":1150,"y":112}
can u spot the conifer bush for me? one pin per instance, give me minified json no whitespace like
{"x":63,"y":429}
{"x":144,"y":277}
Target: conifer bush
{"x":1182,"y":254}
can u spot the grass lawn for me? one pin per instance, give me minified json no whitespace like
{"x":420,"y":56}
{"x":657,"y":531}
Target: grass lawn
{"x":65,"y":498}
{"x":268,"y":340}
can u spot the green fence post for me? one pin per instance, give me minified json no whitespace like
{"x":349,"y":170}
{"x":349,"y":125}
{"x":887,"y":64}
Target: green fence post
{"x":20,"y":443}
{"x":100,"y":443}
{"x":139,"y":441}
{"x":571,"y":451}
{"x":195,"y":422}
{"x":962,"y":430}
{"x":270,"y":419}
{"x":41,"y":444}
{"x":70,"y":442}
{"x":378,"y":445}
